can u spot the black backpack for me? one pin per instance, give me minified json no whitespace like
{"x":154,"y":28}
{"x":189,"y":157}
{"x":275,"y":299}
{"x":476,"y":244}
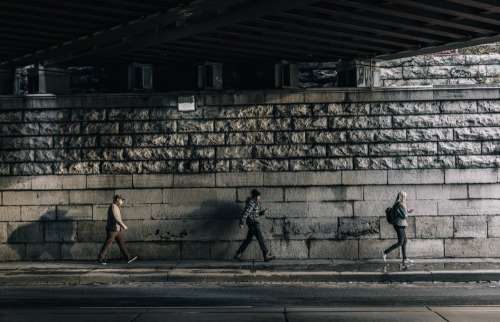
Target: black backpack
{"x":391,"y":215}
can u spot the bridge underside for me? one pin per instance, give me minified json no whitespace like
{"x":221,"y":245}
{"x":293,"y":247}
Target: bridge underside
{"x":53,"y":32}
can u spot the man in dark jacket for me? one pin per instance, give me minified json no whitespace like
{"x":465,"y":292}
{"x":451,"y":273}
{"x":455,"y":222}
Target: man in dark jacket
{"x":114,"y":231}
{"x":250,"y":216}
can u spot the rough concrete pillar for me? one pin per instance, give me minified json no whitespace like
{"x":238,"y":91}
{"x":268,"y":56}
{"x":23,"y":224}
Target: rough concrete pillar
{"x":358,"y":73}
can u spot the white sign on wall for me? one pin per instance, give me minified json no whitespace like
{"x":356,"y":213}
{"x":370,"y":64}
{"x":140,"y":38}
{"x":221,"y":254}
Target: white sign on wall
{"x":186,"y":103}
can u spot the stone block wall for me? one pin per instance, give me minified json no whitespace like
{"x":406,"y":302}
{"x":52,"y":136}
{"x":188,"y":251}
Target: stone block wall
{"x":478,"y":65}
{"x":327,"y":162}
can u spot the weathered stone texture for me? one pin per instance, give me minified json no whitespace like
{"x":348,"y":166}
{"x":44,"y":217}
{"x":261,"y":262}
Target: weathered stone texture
{"x":327,"y":171}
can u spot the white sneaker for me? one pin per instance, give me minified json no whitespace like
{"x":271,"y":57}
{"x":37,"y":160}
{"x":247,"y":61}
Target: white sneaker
{"x":408,"y":261}
{"x":384,"y":257}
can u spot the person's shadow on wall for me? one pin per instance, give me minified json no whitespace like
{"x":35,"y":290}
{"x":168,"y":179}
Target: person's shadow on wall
{"x":43,"y":239}
{"x":213,"y":222}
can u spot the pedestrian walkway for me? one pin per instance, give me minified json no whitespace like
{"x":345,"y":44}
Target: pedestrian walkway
{"x":272,"y":314}
{"x":85,"y":273}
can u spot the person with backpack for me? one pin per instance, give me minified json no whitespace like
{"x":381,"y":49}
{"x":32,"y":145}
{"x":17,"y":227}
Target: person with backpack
{"x":250,"y":215}
{"x":397,"y":216}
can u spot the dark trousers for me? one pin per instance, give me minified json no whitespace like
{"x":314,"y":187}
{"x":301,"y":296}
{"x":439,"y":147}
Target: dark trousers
{"x":253,"y":230}
{"x":401,"y":231}
{"x":120,"y":240}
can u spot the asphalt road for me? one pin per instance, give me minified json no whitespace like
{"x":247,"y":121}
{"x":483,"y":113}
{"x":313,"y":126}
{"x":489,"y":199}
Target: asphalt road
{"x":241,"y":303}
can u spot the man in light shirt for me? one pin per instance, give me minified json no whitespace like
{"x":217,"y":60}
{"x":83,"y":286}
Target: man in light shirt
{"x":115,"y":229}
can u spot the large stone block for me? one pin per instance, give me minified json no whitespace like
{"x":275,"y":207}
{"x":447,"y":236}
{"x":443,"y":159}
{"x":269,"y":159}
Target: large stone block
{"x":458,"y":107}
{"x":456,"y":148}
{"x":370,"y":136}
{"x":47,"y":182}
{"x":364,"y":177}
{"x":302,"y":178}
{"x":38,"y":213}
{"x":259,"y":165}
{"x":294,"y":249}
{"x":199,"y":195}
{"x":310,"y":123}
{"x":141,"y":196}
{"x":195,"y":250}
{"x":494,"y":226}
{"x":91,"y":231}
{"x":152,"y":180}
{"x":472,"y":247}
{"x":109,"y":181}
{"x":425,"y":248}
{"x":152,"y":140}
{"x":3,"y":232}
{"x":22,"y":232}
{"x":250,"y":138}
{"x":408,"y":162}
{"x":290,"y":137}
{"x":74,"y":213}
{"x":15,"y":183}
{"x":91,"y":196}
{"x":333,"y":249}
{"x":348,"y":150}
{"x":234,"y":152}
{"x":484,"y":191}
{"x":32,"y":168}
{"x":401,"y":149}
{"x":426,"y":135}
{"x":287,"y":209}
{"x":388,"y":192}
{"x":74,"y":182}
{"x":359,"y":227}
{"x":305,"y":228}
{"x":60,"y":231}
{"x":361,"y":122}
{"x":442,"y":192}
{"x":35,"y":198}
{"x":324,"y":194}
{"x":470,"y":226}
{"x":416,"y":176}
{"x":43,"y":252}
{"x":468,"y":207}
{"x":12,"y":252}
{"x":434,"y":227}
{"x":325,"y":137}
{"x":239,"y":179}
{"x":10,"y":213}
{"x":329,"y":209}
{"x":194,"y":180}
{"x":471,"y":176}
{"x":477,"y":133}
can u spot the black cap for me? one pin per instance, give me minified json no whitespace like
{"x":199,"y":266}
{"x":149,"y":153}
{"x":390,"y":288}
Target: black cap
{"x":255,"y":193}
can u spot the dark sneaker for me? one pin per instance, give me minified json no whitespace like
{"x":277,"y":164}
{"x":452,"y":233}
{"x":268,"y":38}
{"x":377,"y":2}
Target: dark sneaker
{"x":237,"y":257}
{"x":102,"y":262}
{"x":133,"y":259}
{"x":268,"y":258}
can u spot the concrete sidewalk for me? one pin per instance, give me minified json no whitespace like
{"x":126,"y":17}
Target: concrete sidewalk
{"x":281,"y":271}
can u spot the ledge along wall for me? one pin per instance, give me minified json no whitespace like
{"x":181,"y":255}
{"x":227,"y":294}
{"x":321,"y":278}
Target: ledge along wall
{"x":327,"y":162}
